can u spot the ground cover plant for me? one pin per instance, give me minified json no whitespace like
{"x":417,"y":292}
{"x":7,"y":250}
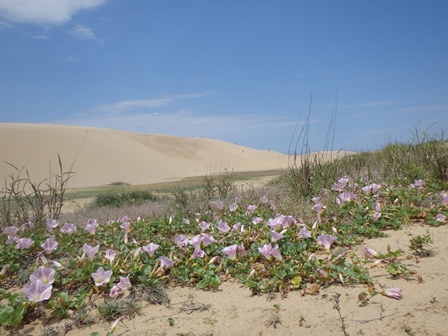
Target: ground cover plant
{"x":296,"y":237}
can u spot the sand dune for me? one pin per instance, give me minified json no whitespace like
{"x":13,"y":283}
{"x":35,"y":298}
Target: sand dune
{"x":103,"y":156}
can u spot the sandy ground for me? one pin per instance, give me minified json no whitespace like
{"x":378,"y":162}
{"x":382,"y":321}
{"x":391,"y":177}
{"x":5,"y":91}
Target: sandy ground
{"x":232,"y":310}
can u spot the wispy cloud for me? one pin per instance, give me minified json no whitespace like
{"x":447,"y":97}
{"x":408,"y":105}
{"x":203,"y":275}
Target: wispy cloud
{"x":44,"y":11}
{"x":123,"y":106}
{"x":81,"y":32}
{"x":4,"y":25}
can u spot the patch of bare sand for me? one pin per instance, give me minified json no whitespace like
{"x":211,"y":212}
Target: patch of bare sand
{"x":232,"y":310}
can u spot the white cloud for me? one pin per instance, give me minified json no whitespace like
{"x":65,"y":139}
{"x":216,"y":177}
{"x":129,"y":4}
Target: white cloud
{"x":127,"y":105}
{"x":82,"y":32}
{"x":44,"y":11}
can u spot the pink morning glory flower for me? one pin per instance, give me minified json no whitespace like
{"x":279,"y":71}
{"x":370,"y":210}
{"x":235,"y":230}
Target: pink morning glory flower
{"x":165,"y":262}
{"x":204,"y":226}
{"x":346,"y":196}
{"x":111,"y":254}
{"x":322,"y":273}
{"x":150,"y":248}
{"x":318,"y":207}
{"x":230,"y":251}
{"x":394,"y":293}
{"x":257,"y":220}
{"x":101,"y":277}
{"x":198,"y":253}
{"x":38,"y":291}
{"x":24,"y":243}
{"x":251,"y":208}
{"x":268,"y":251}
{"x":376,"y":215}
{"x":90,"y":250}
{"x":11,"y":232}
{"x":114,"y":291}
{"x":185,"y":221}
{"x":326,"y":241}
{"x":124,"y":283}
{"x":50,"y":244}
{"x":304,"y":233}
{"x":91,"y":226}
{"x":44,"y":274}
{"x":370,"y":253}
{"x":27,"y":225}
{"x":275,"y":235}
{"x":4,"y":269}
{"x":444,"y":198}
{"x":208,"y":239}
{"x":51,"y":224}
{"x":196,"y":241}
{"x":223,"y":227}
{"x":68,"y":228}
{"x":441,"y":218}
{"x":233,"y":207}
{"x":181,"y":240}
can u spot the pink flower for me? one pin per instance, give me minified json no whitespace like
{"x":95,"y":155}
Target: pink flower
{"x":268,"y":251}
{"x":232,"y":251}
{"x":346,"y":196}
{"x":444,"y":198}
{"x":204,"y":225}
{"x":44,"y":274}
{"x":185,"y":221}
{"x":318,"y":207}
{"x":91,"y":226}
{"x":11,"y":232}
{"x":326,"y":241}
{"x":198,"y":253}
{"x":38,"y":291}
{"x":111,"y":254}
{"x":251,"y":208}
{"x":90,"y":250}
{"x":394,"y":293}
{"x":223,"y":227}
{"x":370,"y":253}
{"x":101,"y":277}
{"x":196,"y":241}
{"x":50,"y":244}
{"x":24,"y":243}
{"x":304,"y":233}
{"x":124,"y":283}
{"x":233,"y":207}
{"x":68,"y":228}
{"x":114,"y":291}
{"x":257,"y":220}
{"x":208,"y":239}
{"x":275,"y":235}
{"x":181,"y":241}
{"x":4,"y":269}
{"x":322,"y":273}
{"x":51,"y":224}
{"x":376,"y":215}
{"x":165,"y":262}
{"x":441,"y":218}
{"x":150,"y":248}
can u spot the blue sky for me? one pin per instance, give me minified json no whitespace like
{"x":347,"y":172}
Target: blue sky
{"x":239,"y":71}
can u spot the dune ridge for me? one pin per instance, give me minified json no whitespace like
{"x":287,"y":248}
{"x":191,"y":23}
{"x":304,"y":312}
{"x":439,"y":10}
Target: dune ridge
{"x":103,"y":156}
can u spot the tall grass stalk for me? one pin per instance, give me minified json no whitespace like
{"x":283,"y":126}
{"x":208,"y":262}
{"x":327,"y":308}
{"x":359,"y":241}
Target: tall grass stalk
{"x":23,"y":200}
